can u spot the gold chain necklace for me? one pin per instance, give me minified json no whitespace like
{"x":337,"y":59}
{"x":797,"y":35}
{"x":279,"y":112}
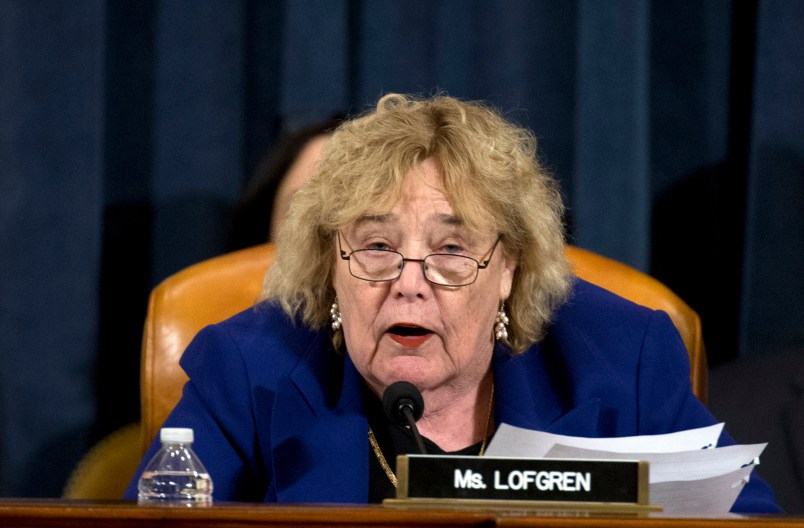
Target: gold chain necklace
{"x":384,"y":463}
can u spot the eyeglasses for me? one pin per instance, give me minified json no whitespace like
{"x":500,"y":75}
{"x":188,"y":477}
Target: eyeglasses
{"x":443,"y":269}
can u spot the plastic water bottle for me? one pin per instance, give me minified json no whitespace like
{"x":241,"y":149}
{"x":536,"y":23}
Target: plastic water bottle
{"x":175,"y":475}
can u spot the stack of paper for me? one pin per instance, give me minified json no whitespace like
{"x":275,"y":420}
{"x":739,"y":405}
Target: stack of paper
{"x":688,"y":474}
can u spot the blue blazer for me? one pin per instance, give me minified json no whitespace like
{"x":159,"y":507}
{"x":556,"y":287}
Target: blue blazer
{"x":278,"y":414}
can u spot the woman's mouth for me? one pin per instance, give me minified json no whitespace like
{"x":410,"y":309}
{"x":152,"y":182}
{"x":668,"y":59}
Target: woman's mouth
{"x":409,"y":336}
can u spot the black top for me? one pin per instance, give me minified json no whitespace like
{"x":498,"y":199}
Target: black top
{"x":395,"y":440}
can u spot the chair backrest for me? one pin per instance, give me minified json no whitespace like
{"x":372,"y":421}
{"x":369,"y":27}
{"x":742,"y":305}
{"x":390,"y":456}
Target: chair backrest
{"x":215,"y":289}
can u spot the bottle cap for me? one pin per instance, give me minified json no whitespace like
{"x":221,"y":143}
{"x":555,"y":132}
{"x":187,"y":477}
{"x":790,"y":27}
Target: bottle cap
{"x":181,"y":435}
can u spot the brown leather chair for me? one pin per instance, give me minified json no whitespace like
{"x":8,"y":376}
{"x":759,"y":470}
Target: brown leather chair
{"x":213,"y":290}
{"x":184,"y":303}
{"x":106,"y":469}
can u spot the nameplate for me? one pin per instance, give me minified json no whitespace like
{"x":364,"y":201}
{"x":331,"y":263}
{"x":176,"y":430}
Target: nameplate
{"x":542,"y":480}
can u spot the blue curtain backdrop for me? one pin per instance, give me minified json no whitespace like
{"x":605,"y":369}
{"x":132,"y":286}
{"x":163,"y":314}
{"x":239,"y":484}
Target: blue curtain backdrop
{"x":128,"y":128}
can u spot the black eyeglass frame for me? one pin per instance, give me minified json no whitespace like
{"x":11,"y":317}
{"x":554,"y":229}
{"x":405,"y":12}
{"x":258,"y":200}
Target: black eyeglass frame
{"x":479,"y":265}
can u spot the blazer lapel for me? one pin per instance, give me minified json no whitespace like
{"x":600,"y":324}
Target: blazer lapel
{"x":534,"y":391}
{"x":319,"y":431}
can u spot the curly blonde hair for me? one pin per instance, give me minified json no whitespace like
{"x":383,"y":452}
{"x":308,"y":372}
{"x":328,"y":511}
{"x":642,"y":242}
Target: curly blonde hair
{"x":490,"y":175}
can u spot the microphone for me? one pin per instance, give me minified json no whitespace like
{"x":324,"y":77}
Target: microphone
{"x":403,"y":404}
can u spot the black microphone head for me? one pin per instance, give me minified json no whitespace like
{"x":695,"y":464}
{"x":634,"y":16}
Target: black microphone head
{"x":401,"y":395}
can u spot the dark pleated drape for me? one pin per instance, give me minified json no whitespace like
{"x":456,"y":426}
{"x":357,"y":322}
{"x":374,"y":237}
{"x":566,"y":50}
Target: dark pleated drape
{"x":128,"y":130}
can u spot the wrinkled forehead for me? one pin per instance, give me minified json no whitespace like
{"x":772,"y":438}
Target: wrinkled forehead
{"x":399,"y":221}
{"x":422,"y":214}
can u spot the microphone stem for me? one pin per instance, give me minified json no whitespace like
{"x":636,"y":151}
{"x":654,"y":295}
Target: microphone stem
{"x":414,"y":429}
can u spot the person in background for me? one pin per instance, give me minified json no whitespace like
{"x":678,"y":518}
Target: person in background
{"x":259,"y":214}
{"x":427,"y":247}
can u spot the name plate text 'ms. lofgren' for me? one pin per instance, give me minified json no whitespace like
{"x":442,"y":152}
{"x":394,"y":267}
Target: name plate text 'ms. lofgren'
{"x":521,"y":479}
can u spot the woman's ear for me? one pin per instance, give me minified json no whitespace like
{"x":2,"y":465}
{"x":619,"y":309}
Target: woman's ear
{"x":507,"y":278}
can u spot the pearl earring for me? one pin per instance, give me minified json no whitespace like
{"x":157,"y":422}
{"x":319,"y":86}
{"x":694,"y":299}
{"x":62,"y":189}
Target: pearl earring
{"x":501,"y":324}
{"x":335,"y":315}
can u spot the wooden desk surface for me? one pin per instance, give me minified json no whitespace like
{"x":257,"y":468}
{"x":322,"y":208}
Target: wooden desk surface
{"x":17,"y":513}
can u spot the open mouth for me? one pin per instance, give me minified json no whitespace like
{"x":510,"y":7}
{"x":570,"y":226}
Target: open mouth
{"x":405,"y":330}
{"x":408,"y":335}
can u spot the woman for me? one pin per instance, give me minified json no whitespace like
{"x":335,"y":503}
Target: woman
{"x":427,"y":247}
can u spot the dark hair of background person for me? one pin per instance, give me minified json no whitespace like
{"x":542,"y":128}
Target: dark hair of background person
{"x":251,"y":216}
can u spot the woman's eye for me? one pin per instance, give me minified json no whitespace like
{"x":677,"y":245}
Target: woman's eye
{"x":378,"y":245}
{"x":451,"y":248}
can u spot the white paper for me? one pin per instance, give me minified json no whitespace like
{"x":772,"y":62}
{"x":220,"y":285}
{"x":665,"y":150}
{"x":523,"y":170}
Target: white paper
{"x":684,"y":465}
{"x":687,"y":473}
{"x":714,"y":495}
{"x":515,"y":441}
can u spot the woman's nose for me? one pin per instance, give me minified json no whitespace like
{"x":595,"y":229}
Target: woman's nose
{"x":411,"y":280}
